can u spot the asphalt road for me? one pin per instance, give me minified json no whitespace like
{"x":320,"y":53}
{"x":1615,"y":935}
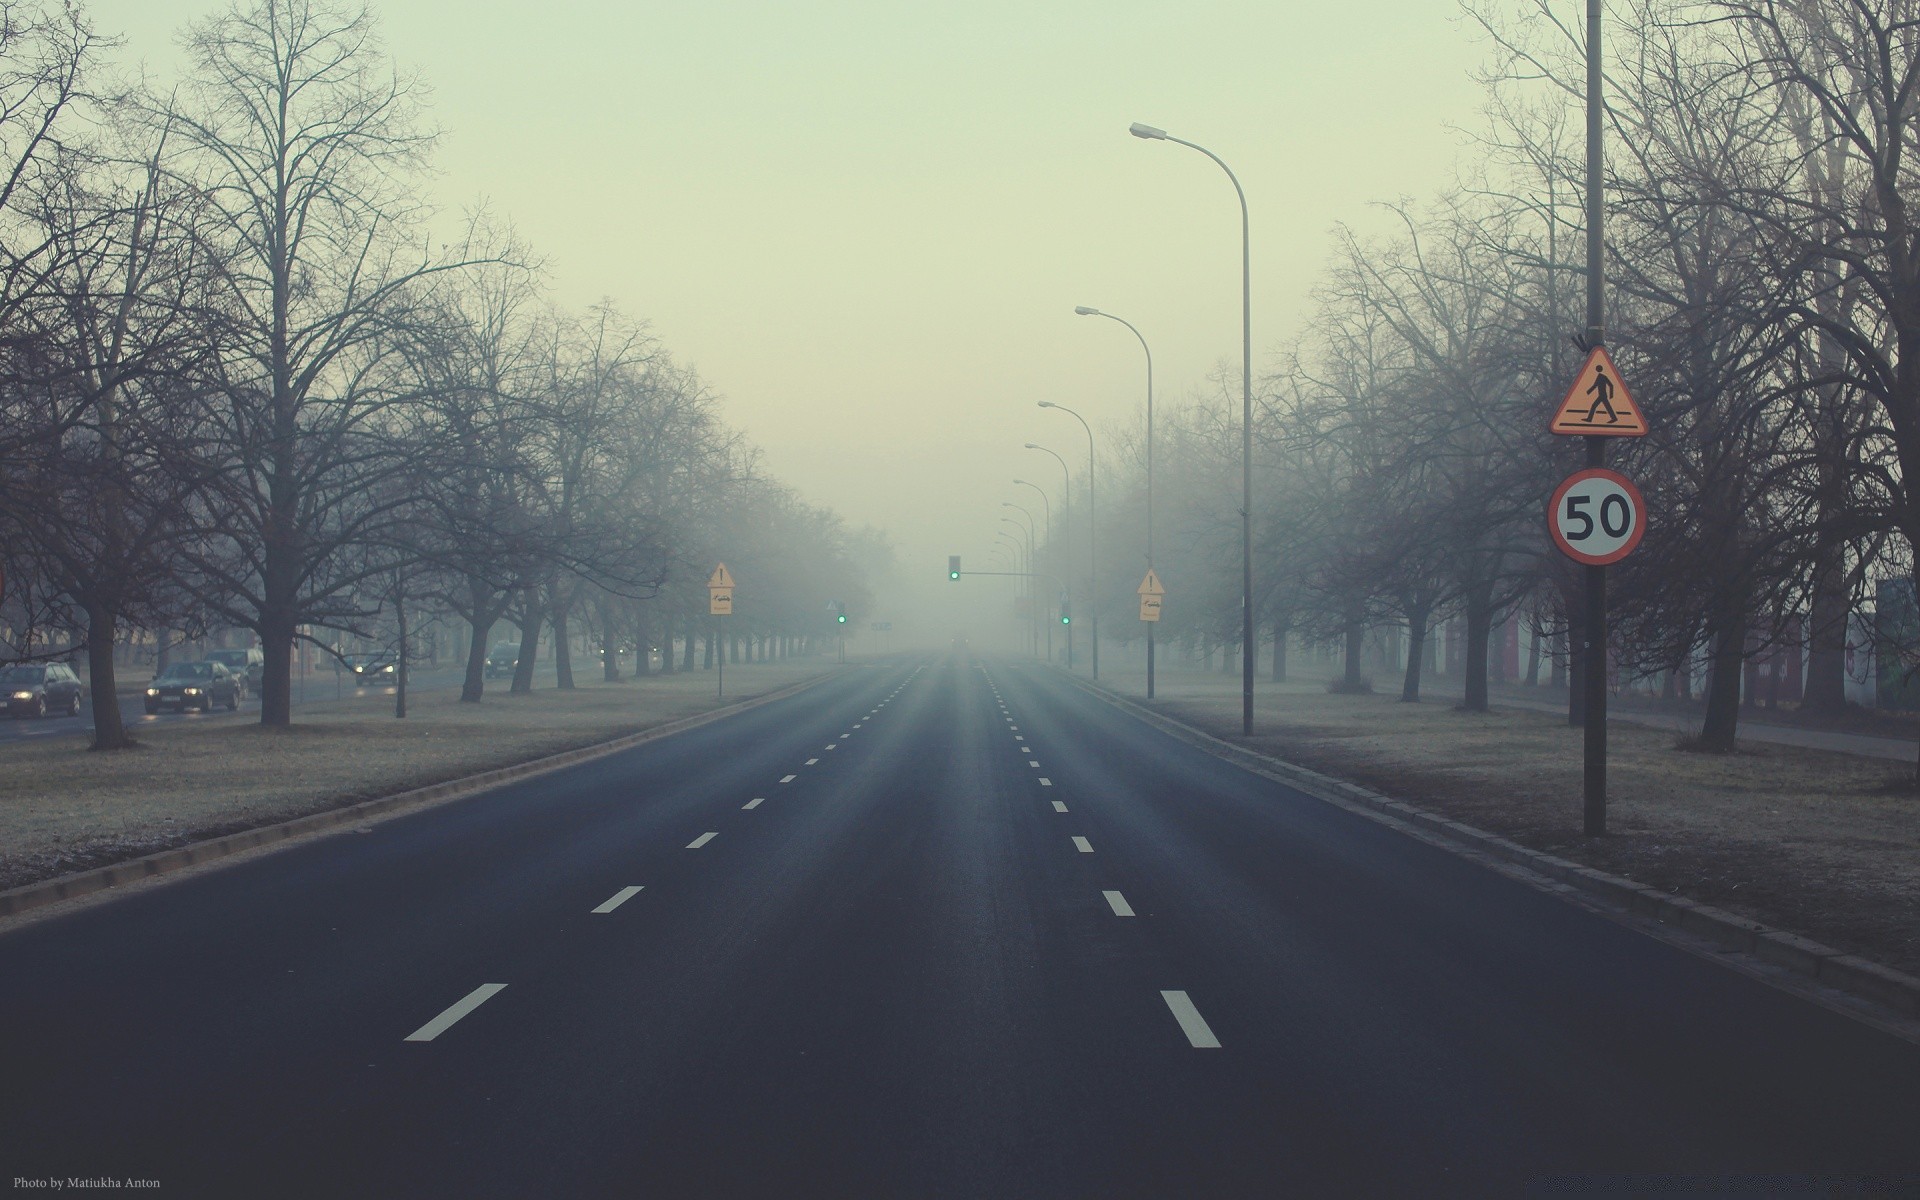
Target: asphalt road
{"x":936,"y":929}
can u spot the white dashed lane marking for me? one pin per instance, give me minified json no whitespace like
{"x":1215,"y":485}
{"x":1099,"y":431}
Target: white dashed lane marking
{"x":620,"y":897}
{"x":753,"y":803}
{"x":440,"y":1024}
{"x":1191,"y":1022}
{"x":788,"y":778}
{"x":1033,"y":762}
{"x":1118,"y":904}
{"x":1059,"y":807}
{"x":702,"y":840}
{"x":1083,"y":845}
{"x":812,"y":761}
{"x":1045,"y":782}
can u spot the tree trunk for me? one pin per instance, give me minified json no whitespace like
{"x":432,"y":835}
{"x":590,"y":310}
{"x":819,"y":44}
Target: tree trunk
{"x":610,"y":646}
{"x":475,"y":684}
{"x":642,"y":648}
{"x":400,"y":666}
{"x":1416,"y":654}
{"x":1356,"y":643}
{"x":530,"y":621}
{"x":1479,"y":631}
{"x":276,"y":674}
{"x":562,"y":649}
{"x":109,"y":733}
{"x":1723,"y":688}
{"x":1533,"y":652}
{"x":1281,"y":626}
{"x":1825,"y":689}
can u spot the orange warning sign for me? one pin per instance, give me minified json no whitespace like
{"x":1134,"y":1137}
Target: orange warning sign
{"x":1597,"y":405}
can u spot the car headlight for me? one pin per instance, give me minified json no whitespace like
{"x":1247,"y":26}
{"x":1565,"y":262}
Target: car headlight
{"x":153,"y":691}
{"x":193,"y":691}
{"x":23,"y":695}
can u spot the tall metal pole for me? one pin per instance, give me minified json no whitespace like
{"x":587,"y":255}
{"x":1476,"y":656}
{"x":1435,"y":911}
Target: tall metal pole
{"x":1046,"y":509}
{"x":1595,"y":776}
{"x":1247,"y":648}
{"x":1066,"y":531}
{"x":1093,"y":534}
{"x":1094,"y":312}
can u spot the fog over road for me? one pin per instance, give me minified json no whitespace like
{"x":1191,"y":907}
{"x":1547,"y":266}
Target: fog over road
{"x":941,"y":927}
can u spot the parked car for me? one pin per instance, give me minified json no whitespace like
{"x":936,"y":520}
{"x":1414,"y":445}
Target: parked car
{"x":246,"y":666}
{"x":198,"y":685}
{"x":502,"y":660}
{"x":378,"y":667}
{"x":37,"y":691}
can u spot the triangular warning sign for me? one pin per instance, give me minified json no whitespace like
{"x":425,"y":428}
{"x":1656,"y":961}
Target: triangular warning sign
{"x":1150,"y":586}
{"x":1597,"y":405}
{"x":721,"y":577}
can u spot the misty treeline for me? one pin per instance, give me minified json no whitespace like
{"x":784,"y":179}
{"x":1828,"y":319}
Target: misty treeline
{"x":247,"y":380}
{"x":1763,"y":284}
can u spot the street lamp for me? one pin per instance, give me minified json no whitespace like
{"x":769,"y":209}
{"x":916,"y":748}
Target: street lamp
{"x":1033,"y":562}
{"x":1046,"y":510}
{"x":1066,"y":527}
{"x":1093,"y":526}
{"x":1033,"y":609}
{"x":1085,"y":311}
{"x":1247,"y":655}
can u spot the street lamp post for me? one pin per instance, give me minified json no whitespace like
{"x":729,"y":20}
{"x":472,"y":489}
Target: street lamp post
{"x":1084,"y":311}
{"x":1046,"y":509}
{"x":1032,"y":562}
{"x":1033,"y":610}
{"x":1246,"y":423}
{"x":1093,"y":526}
{"x":1002,"y":541}
{"x":1033,"y":548}
{"x":1066,"y":528}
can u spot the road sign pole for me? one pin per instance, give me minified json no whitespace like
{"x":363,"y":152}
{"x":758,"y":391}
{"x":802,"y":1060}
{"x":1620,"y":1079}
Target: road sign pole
{"x":1594,"y":789}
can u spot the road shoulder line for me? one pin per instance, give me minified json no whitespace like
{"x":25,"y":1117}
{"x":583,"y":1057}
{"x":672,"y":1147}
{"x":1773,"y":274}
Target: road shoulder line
{"x":1609,"y":894}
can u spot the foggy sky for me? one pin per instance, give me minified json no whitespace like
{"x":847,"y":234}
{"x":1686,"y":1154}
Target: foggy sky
{"x":867,"y":224}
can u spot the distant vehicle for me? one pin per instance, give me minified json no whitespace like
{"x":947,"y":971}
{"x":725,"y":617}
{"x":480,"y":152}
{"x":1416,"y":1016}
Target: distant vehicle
{"x":502,"y":660}
{"x":960,"y":644}
{"x":198,"y":685}
{"x":378,"y":667}
{"x":247,"y":666}
{"x":36,"y":691}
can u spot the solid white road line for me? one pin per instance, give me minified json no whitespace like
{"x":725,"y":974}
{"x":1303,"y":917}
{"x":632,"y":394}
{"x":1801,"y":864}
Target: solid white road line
{"x":1191,"y":1022}
{"x":1083,"y":845}
{"x":440,"y":1024}
{"x":1059,"y":807}
{"x":788,"y":778}
{"x":753,"y":803}
{"x":620,"y":897}
{"x":1118,"y":904}
{"x":702,"y":840}
{"x":1045,"y":782}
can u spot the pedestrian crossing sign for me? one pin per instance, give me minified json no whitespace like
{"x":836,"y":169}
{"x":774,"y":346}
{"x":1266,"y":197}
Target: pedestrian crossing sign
{"x":1598,"y":405}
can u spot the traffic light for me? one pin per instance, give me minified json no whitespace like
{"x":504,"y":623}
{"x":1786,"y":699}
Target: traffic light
{"x":953,"y":566}
{"x":1066,"y":613}
{"x":839,"y":614}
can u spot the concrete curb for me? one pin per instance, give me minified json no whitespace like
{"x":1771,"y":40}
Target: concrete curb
{"x":1778,"y":947}
{"x":99,"y":879}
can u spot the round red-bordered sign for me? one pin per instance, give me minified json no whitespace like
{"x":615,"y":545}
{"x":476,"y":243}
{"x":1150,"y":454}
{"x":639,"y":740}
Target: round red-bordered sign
{"x":1596,"y":516}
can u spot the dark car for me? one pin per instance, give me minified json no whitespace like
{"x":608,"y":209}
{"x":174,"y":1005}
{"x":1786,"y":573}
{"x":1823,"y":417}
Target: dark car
{"x":37,"y":691}
{"x":246,"y":667}
{"x":502,"y":660}
{"x":198,"y":685}
{"x":375,"y":668}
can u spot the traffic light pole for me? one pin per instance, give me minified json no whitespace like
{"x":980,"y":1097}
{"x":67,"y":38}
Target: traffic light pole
{"x":1594,"y":781}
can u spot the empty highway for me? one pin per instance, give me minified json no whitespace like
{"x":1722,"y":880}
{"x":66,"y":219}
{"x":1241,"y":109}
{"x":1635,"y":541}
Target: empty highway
{"x":944,"y":927}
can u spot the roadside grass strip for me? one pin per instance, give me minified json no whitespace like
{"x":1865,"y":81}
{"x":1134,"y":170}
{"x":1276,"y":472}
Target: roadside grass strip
{"x":445,"y":1021}
{"x":620,"y":897}
{"x":1199,"y":1034}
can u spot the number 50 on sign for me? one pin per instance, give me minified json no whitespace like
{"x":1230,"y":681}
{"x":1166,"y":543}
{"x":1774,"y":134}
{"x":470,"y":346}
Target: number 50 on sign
{"x":1596,"y":517}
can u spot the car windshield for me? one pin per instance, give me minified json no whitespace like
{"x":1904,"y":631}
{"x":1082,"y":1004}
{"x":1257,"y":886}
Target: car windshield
{"x":21,"y":676}
{"x":229,"y":657}
{"x":198,"y":670}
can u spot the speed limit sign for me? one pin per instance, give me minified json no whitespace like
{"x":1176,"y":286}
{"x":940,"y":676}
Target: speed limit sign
{"x":1596,"y":517}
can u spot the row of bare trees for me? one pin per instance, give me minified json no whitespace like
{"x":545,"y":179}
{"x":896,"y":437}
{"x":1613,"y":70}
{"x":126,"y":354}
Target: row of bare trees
{"x":244,"y":384}
{"x":1764,"y":303}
